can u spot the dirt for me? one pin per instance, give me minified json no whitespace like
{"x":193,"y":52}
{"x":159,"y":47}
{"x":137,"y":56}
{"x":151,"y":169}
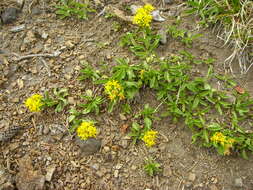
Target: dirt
{"x":44,"y":138}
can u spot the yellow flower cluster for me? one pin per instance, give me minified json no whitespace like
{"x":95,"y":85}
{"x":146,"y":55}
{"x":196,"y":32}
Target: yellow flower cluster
{"x":114,"y":90}
{"x":223,"y":140}
{"x":142,"y":73}
{"x":34,"y":103}
{"x":150,"y":137}
{"x":143,"y":16}
{"x":86,"y":130}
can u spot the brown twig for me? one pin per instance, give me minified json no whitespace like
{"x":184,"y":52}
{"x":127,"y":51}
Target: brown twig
{"x":19,"y":58}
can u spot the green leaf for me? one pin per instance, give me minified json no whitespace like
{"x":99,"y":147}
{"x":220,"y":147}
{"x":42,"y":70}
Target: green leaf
{"x":71,"y":118}
{"x":195,"y":102}
{"x":147,"y":123}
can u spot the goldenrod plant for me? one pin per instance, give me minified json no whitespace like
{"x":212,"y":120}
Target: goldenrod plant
{"x":57,"y":99}
{"x":184,"y":97}
{"x":142,"y":42}
{"x":34,"y":103}
{"x":143,"y":16}
{"x":86,"y":130}
{"x":114,"y":91}
{"x":149,"y":138}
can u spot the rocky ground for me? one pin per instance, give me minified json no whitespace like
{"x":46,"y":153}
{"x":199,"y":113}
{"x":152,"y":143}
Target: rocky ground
{"x":38,"y":152}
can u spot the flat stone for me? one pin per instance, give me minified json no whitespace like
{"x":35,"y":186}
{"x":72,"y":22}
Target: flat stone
{"x":46,"y":130}
{"x":168,"y":1}
{"x":163,"y":36}
{"x":122,"y":117}
{"x":18,"y":28}
{"x":238,"y":182}
{"x":9,"y":15}
{"x":36,"y":11}
{"x":116,"y":173}
{"x":167,"y":172}
{"x":50,"y":172}
{"x":89,"y":146}
{"x":192,"y":176}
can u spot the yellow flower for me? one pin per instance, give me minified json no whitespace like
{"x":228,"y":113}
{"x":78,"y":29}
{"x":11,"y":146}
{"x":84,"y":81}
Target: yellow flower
{"x":223,"y":140}
{"x":143,"y":16}
{"x":150,"y":137}
{"x":142,"y":73}
{"x":114,"y":90}
{"x":34,"y":103}
{"x":148,"y":7}
{"x":218,"y":137}
{"x":86,"y":130}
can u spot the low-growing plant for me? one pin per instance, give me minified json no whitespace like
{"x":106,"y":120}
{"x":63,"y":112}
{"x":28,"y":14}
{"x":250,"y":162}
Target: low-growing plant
{"x":92,"y":104}
{"x":69,"y":8}
{"x":87,"y":72}
{"x":152,"y":167}
{"x":147,"y":114}
{"x":233,"y":22}
{"x":142,"y":43}
{"x":37,"y":102}
{"x":57,"y":99}
{"x":74,"y":119}
{"x":136,"y":132}
{"x":184,"y":36}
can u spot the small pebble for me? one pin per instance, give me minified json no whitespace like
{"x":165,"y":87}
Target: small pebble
{"x":192,"y":177}
{"x":168,"y":1}
{"x":116,"y":173}
{"x":238,"y":182}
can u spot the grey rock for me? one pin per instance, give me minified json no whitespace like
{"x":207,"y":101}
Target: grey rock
{"x":238,"y":182}
{"x":168,"y":1}
{"x":124,"y":143}
{"x":36,"y":11}
{"x":156,"y":16}
{"x":163,"y":36}
{"x":89,"y":146}
{"x":18,"y":28}
{"x":9,"y":15}
{"x":50,"y":173}
{"x":46,"y":130}
{"x":134,"y":8}
{"x":152,"y":150}
{"x":95,"y":166}
{"x":9,"y":133}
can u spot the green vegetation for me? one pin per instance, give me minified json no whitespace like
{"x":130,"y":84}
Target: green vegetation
{"x":57,"y":100}
{"x":92,"y":103}
{"x":72,"y":8}
{"x":183,"y":35}
{"x":151,"y":167}
{"x":233,"y":20}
